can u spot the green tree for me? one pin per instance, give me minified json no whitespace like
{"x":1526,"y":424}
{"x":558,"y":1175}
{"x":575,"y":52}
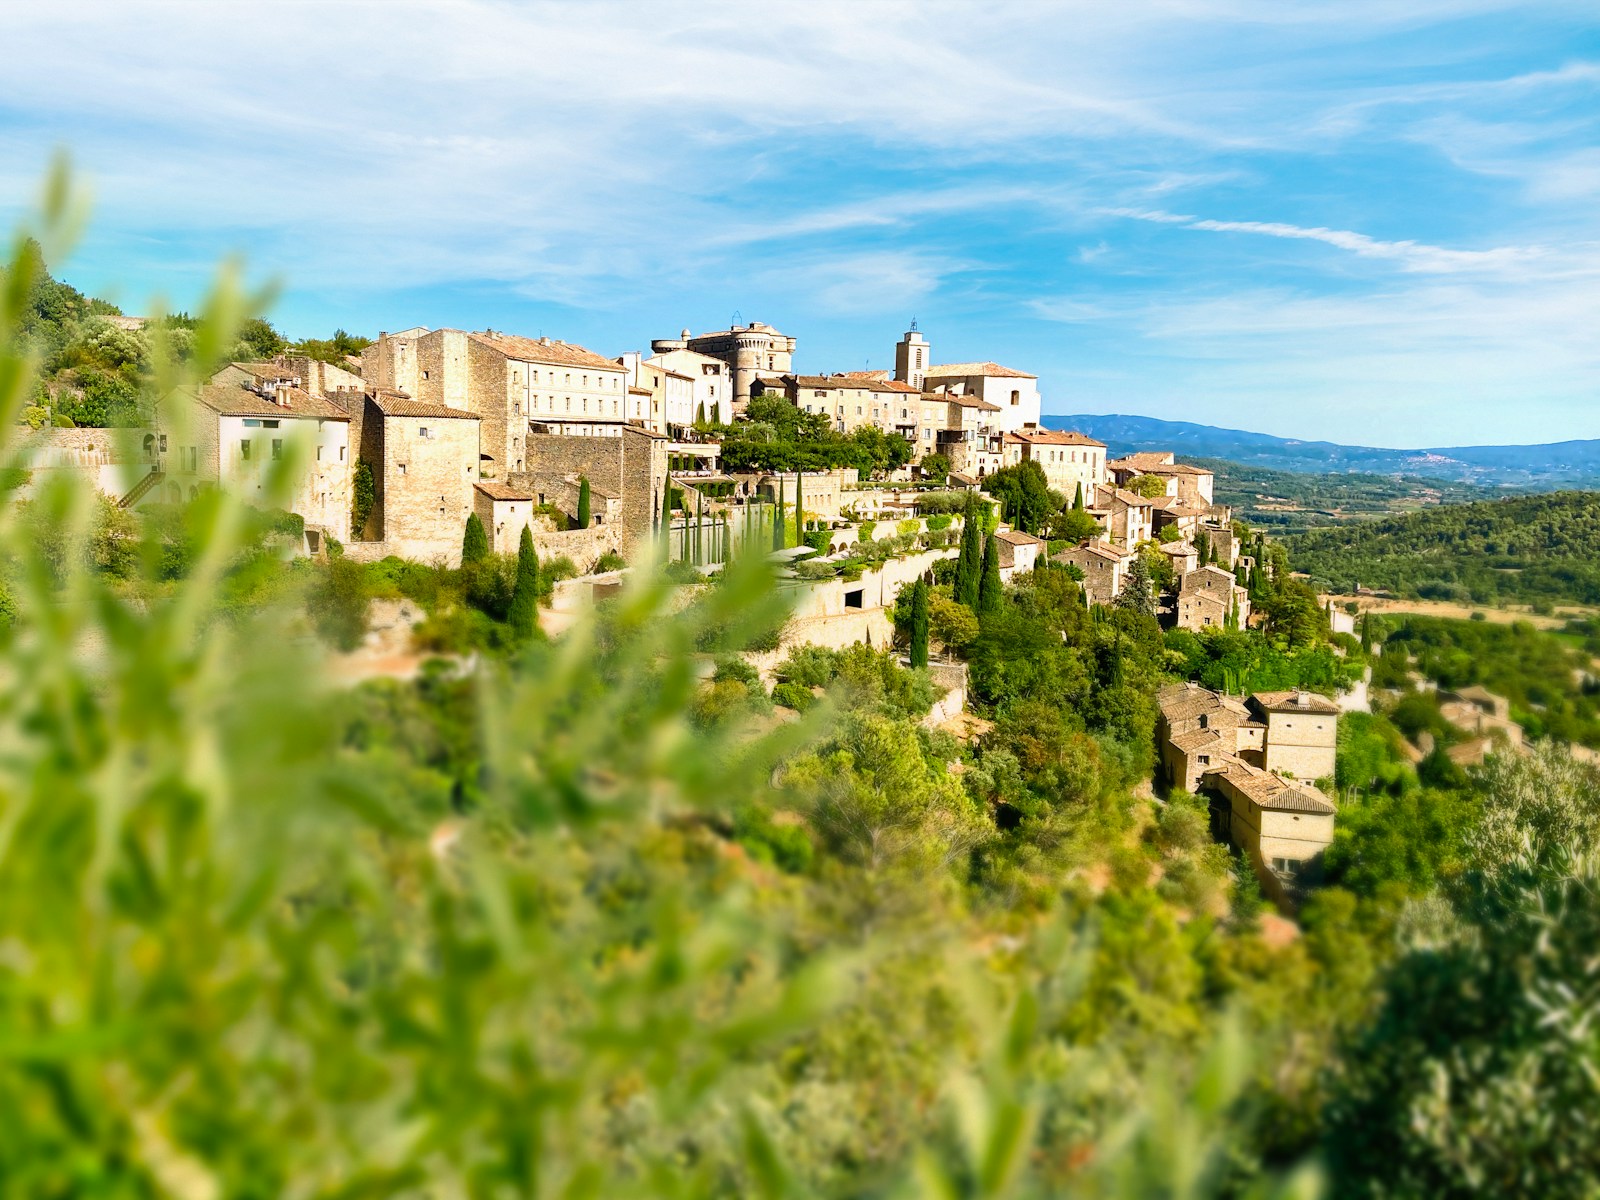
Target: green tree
{"x":935,"y":468}
{"x":584,"y":515}
{"x":1077,"y":499}
{"x":1477,"y":1076}
{"x":969,"y":565}
{"x":1148,"y":486}
{"x":779,"y":521}
{"x":919,"y":623}
{"x":363,"y":496}
{"x":1024,"y":495}
{"x":990,"y":590}
{"x":525,"y":595}
{"x":799,"y":510}
{"x":475,"y":542}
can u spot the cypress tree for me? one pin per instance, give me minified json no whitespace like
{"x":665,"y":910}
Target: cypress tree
{"x":1077,"y":501}
{"x":799,"y":510}
{"x":778,"y":519}
{"x":699,"y":527}
{"x":525,"y":596}
{"x":666,"y":516}
{"x":700,"y":414}
{"x":584,"y":502}
{"x":990,"y":589}
{"x":1202,"y":546}
{"x":475,"y":542}
{"x":969,"y":566}
{"x":727,"y":540}
{"x":919,"y":623}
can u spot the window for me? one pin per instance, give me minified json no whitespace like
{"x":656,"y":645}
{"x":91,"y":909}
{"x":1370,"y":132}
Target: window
{"x":401,"y":467}
{"x":853,"y":599}
{"x":319,"y":453}
{"x":244,"y":450}
{"x":1016,"y":397}
{"x":1204,"y":760}
{"x":341,"y":453}
{"x":919,"y":359}
{"x":424,"y":374}
{"x":422,"y":431}
{"x":163,"y":443}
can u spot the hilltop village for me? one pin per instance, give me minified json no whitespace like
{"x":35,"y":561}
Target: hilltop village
{"x":396,"y":450}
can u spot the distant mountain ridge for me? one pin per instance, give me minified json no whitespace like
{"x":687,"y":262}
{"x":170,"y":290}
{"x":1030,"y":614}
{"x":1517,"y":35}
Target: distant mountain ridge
{"x":1542,"y":467}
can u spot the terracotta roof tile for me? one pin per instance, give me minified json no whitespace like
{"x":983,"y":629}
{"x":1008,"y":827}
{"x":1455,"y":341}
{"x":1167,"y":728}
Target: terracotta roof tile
{"x":1053,"y":437}
{"x":500,"y":491}
{"x":952,"y":370}
{"x":544,"y":350}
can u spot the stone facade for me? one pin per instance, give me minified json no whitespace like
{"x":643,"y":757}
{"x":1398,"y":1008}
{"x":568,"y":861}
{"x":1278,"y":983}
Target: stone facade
{"x":1205,"y":596}
{"x":1104,"y":567}
{"x":1015,"y":394}
{"x":424,"y":461}
{"x":748,"y":351}
{"x":1302,"y":733}
{"x":505,"y":512}
{"x":1019,"y":552}
{"x":711,"y":379}
{"x":1072,"y":463}
{"x":631,"y":466}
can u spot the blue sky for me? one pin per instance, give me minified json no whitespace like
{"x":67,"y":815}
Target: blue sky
{"x":1361,"y":221}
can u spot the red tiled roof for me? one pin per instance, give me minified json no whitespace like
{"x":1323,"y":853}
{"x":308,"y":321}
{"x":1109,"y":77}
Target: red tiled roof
{"x":1054,"y":437}
{"x":949,"y":370}
{"x":544,"y":350}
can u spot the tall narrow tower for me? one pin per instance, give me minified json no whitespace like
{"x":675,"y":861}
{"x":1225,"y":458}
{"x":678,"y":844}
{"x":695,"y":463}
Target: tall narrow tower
{"x":911,"y":358}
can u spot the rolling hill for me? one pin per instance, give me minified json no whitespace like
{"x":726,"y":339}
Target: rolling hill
{"x":1533,"y":468}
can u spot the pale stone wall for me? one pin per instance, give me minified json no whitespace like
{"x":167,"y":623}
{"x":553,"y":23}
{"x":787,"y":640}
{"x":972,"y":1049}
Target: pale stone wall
{"x":1268,"y":835}
{"x":583,"y":546}
{"x":712,"y":381}
{"x":111,"y":460}
{"x":632,"y":467}
{"x":249,"y":446}
{"x":491,"y":382}
{"x":1301,"y":744}
{"x":503,"y":520}
{"x":426,"y":487}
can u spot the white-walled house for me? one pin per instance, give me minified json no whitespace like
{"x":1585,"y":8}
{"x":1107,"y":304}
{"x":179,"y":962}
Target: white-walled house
{"x":241,"y":424}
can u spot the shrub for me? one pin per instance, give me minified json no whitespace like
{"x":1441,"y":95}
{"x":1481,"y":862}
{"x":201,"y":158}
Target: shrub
{"x":609,"y":561}
{"x":338,"y":603}
{"x":815,"y":569}
{"x":793,"y":695}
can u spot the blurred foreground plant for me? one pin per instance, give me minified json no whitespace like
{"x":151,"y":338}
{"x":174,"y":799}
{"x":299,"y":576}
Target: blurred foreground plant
{"x":234,"y":963}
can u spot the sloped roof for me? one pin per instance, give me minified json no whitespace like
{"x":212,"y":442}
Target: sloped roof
{"x":1101,"y":549}
{"x":1204,"y":575}
{"x":1018,"y":538}
{"x":1177,"y":548}
{"x":854,"y":383}
{"x":228,"y":393}
{"x":1053,"y":437}
{"x":1273,"y":792}
{"x":398,"y":404}
{"x":962,"y":401}
{"x":500,"y":491}
{"x":548,"y":351}
{"x":947,"y":370}
{"x":1294,"y":701}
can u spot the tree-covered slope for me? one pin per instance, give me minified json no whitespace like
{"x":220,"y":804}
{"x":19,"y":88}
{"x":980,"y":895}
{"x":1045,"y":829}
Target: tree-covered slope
{"x":1526,"y":548}
{"x":1292,"y":501}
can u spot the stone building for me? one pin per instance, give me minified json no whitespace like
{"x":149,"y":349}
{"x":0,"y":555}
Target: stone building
{"x":1212,"y":743}
{"x":850,"y":402}
{"x":712,"y":379}
{"x":628,"y":469}
{"x":239,"y":427}
{"x":1019,"y":552}
{"x":748,"y":351}
{"x":1104,"y":567}
{"x":1206,"y":597}
{"x":912,"y":358}
{"x":1302,"y":733}
{"x":670,"y":406}
{"x":505,"y":512}
{"x":424,"y":460}
{"x":1127,"y":517}
{"x":1189,"y":484}
{"x":1070,"y":461}
{"x":1182,"y":556}
{"x":1282,"y":826}
{"x":511,"y":382}
{"x":1015,"y":394}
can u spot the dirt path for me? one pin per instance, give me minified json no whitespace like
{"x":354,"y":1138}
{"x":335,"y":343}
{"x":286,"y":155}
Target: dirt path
{"x":1462,"y":612}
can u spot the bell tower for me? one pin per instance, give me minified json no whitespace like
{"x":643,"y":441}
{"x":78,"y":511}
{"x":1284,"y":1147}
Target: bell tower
{"x":911,"y":358}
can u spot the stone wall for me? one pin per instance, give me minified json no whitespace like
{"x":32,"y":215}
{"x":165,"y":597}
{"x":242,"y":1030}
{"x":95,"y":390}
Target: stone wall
{"x":426,"y":490}
{"x":583,"y":546}
{"x":111,"y":460}
{"x":631,"y":467}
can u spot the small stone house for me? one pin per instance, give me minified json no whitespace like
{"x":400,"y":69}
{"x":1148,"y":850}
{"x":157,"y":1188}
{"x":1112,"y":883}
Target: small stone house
{"x":1019,"y":552}
{"x":1205,"y":596}
{"x":1104,"y":567}
{"x":1281,"y":825}
{"x":505,"y":512}
{"x":1302,"y":733}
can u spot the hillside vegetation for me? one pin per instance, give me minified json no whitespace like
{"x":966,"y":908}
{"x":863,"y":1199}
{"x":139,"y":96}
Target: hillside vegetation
{"x":94,"y":371}
{"x":1527,"y":549}
{"x":1293,"y":501}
